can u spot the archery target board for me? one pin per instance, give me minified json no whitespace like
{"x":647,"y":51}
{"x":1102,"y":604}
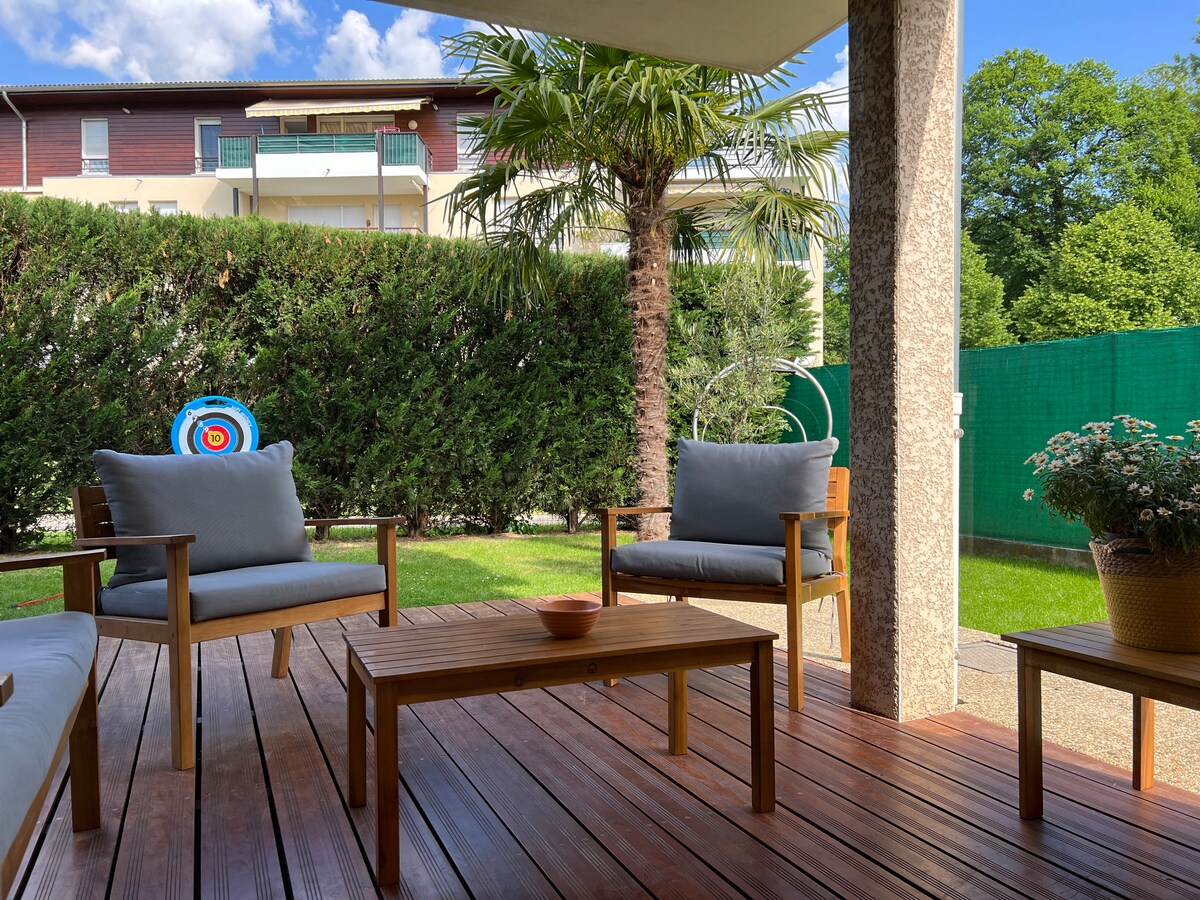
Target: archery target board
{"x":214,"y":426}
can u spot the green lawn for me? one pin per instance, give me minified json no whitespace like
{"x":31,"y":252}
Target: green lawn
{"x":997,"y":595}
{"x":1002,"y":595}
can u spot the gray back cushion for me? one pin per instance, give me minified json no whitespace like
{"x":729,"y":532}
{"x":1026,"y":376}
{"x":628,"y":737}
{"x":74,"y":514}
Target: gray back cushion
{"x":242,"y":507}
{"x":734,"y":493}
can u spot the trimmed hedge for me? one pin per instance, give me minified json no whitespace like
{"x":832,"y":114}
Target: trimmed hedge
{"x":404,"y":391}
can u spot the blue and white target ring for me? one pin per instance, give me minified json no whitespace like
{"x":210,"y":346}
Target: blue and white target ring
{"x":214,"y":426}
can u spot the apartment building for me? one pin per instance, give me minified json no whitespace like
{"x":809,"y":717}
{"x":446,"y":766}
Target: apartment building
{"x":353,"y":154}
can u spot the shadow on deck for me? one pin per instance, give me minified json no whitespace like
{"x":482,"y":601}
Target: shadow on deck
{"x":570,"y":791}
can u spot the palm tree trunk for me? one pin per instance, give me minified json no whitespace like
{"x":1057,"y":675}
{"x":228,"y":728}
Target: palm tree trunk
{"x":650,"y":307}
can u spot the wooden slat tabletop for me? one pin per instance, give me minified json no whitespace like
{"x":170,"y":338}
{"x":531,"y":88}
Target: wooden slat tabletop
{"x":1094,"y":643}
{"x":481,"y":645}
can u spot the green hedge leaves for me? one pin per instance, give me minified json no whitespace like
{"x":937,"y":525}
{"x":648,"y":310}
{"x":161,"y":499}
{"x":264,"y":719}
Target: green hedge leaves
{"x":403,"y":391}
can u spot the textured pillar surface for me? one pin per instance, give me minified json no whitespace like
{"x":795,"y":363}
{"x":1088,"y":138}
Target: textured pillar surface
{"x":902,"y":173}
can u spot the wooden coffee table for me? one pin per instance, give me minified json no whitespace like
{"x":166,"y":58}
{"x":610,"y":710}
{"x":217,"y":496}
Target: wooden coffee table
{"x":447,"y":660}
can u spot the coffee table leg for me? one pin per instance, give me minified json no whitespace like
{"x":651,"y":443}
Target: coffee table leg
{"x":356,"y":733}
{"x":1143,"y":743}
{"x":387,"y":787}
{"x":677,"y":724}
{"x":762,"y":727}
{"x":1029,"y":735}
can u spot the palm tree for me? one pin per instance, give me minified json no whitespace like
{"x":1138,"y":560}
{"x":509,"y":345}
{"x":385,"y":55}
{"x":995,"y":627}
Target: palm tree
{"x":579,"y":132}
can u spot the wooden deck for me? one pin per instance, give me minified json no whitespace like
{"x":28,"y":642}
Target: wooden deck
{"x":570,"y":792}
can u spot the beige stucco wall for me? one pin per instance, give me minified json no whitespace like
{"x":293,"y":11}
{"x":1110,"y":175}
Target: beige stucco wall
{"x":903,"y":82}
{"x":200,"y":195}
{"x":275,"y":209}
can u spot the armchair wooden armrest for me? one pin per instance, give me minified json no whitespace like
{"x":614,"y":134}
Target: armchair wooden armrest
{"x":631,"y":510}
{"x":385,"y":555}
{"x":6,"y":687}
{"x":813,"y":516}
{"x":361,"y":520}
{"x":51,"y":559}
{"x":136,"y":540}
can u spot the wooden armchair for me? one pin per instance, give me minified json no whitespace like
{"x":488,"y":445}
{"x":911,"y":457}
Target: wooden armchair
{"x":197,"y":601}
{"x":785,"y":572}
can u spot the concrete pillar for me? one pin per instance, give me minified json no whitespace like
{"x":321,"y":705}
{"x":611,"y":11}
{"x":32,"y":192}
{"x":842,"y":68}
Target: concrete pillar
{"x":903,"y":71}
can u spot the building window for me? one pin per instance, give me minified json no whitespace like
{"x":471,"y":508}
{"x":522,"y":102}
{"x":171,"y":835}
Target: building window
{"x":469,"y":156}
{"x":124,"y":205}
{"x":95,"y":146}
{"x":207,"y":145}
{"x":353,"y":124}
{"x":334,"y":216}
{"x":293,"y":125}
{"x":165,"y":207}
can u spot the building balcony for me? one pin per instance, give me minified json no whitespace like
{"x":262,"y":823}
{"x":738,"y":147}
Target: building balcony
{"x":324,"y":164}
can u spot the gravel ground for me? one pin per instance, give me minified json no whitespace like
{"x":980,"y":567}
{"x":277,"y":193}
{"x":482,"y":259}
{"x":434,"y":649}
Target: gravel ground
{"x":1092,"y":720}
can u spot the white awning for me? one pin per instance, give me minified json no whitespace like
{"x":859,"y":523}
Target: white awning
{"x":331,"y":107}
{"x":752,"y":35}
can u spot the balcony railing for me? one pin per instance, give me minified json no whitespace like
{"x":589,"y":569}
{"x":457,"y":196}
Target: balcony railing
{"x":399,"y":149}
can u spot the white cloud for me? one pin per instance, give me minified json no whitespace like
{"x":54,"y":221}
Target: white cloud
{"x":835,"y":88}
{"x":165,"y":40}
{"x":407,"y":49}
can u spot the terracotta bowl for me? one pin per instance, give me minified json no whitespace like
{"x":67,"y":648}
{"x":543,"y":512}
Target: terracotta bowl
{"x":569,"y":618}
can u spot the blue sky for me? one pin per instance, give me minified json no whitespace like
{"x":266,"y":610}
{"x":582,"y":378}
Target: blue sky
{"x":57,"y":41}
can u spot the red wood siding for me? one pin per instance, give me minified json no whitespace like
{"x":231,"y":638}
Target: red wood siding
{"x":159,"y":139}
{"x":151,"y":140}
{"x":438,"y":128}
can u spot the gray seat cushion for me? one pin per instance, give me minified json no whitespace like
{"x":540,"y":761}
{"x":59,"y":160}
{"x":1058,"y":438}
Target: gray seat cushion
{"x":242,"y":507}
{"x":50,"y":658}
{"x":235,"y":592}
{"x":734,"y":493}
{"x":694,"y":560}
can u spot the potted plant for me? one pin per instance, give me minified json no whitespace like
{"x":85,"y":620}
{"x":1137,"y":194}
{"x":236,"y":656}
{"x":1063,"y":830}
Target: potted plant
{"x":1140,"y":498}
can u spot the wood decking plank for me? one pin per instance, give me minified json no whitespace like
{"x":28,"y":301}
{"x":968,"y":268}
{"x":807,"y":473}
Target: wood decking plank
{"x":238,"y":854}
{"x":486,"y":854}
{"x":78,"y":865}
{"x":575,"y":862}
{"x":971,"y":792}
{"x":425,"y":871}
{"x":155,"y":854}
{"x":677,"y":793}
{"x":651,"y":853}
{"x":1165,"y":810}
{"x":495,"y":786}
{"x":321,"y":851}
{"x":837,"y":788}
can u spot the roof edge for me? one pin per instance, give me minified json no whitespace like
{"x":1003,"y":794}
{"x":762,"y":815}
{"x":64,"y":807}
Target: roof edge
{"x":152,"y":86}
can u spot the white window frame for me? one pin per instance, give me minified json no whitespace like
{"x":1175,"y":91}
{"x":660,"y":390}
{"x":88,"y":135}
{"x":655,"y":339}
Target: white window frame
{"x":93,"y":163}
{"x":165,"y":207}
{"x":466,"y":159}
{"x":196,"y":123}
{"x":295,"y":216}
{"x":124,"y":206}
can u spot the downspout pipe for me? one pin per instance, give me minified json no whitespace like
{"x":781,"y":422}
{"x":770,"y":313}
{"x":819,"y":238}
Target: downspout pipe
{"x":24,"y":143}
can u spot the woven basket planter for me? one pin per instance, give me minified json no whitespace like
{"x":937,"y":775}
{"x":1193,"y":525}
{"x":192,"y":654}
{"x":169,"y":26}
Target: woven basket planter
{"x":1153,"y":600}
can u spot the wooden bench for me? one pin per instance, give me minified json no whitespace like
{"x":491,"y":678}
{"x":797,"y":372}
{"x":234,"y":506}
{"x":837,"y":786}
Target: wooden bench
{"x":47,"y":703}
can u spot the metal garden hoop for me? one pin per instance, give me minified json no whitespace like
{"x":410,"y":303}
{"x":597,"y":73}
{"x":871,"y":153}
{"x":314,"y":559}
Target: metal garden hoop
{"x":786,"y":366}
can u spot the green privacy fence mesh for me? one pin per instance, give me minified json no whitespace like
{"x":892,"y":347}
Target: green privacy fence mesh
{"x":1014,"y":398}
